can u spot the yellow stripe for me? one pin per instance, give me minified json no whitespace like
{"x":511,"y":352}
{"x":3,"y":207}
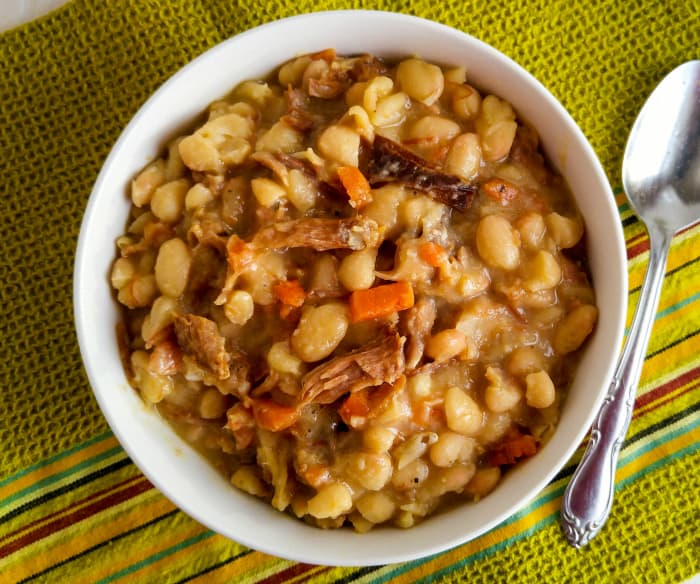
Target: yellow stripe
{"x":178,"y":562}
{"x":54,"y":468}
{"x":682,"y":352}
{"x":213,"y":550}
{"x":676,"y":370}
{"x":34,"y":494}
{"x":683,"y":250}
{"x":253,"y":564}
{"x":663,"y":449}
{"x":664,"y":399}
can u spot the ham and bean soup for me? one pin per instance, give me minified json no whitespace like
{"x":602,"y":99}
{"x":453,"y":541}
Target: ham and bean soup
{"x":357,"y":287}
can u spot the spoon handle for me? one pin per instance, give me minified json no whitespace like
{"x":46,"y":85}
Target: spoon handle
{"x":588,"y":497}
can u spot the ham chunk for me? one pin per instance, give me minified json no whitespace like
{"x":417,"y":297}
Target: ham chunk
{"x":418,"y":321}
{"x":379,"y":362}
{"x":199,"y":339}
{"x":320,"y":234}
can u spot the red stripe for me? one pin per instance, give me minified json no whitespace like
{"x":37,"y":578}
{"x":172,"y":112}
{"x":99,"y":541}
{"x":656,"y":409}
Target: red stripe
{"x":292,"y":572}
{"x":643,"y":246}
{"x":640,"y":248}
{"x":74,"y":505}
{"x":663,"y":401}
{"x":667,"y":387}
{"x":78,"y":515}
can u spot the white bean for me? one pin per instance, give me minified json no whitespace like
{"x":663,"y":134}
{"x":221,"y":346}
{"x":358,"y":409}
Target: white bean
{"x":320,"y":331}
{"x":331,"y":500}
{"x":173,"y":267}
{"x":463,"y":414}
{"x":356,"y":271}
{"x":497,"y":242}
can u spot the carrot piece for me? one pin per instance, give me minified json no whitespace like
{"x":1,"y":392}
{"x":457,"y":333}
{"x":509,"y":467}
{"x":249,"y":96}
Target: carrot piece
{"x":238,"y":253}
{"x":290,"y":292}
{"x":432,"y":253}
{"x":355,"y":185}
{"x":380,"y":301}
{"x":273,"y":416}
{"x":368,"y":403}
{"x":513,"y":448}
{"x":500,"y":190}
{"x":316,"y":475}
{"x":355,"y":406}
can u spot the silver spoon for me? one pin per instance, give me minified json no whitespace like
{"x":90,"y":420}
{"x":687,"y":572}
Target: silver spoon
{"x":661,"y":176}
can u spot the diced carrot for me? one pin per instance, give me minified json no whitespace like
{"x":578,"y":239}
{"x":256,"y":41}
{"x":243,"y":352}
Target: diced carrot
{"x":273,"y":416}
{"x":238,"y":253}
{"x":380,"y":301}
{"x":432,"y":253}
{"x":316,"y":475}
{"x":355,"y":185}
{"x":427,"y":415}
{"x":290,"y":292}
{"x":368,"y":403}
{"x":500,"y":190}
{"x":355,"y":406}
{"x":513,"y":448}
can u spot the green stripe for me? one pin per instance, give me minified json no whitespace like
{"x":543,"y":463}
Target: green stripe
{"x":62,"y":475}
{"x":684,"y":426}
{"x":690,"y":449}
{"x":57,"y":457}
{"x":677,"y":306}
{"x":666,"y":311}
{"x":155,"y":557}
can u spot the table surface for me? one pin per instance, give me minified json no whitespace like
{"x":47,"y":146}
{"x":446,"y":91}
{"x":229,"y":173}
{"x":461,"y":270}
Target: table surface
{"x":73,"y":507}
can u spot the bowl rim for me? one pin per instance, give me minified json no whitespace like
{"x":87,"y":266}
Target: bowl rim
{"x":81,"y":292}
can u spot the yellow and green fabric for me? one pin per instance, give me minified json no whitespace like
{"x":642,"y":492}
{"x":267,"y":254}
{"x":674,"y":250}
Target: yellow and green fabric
{"x":74,"y":508}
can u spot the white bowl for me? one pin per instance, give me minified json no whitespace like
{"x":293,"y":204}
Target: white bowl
{"x":175,"y":468}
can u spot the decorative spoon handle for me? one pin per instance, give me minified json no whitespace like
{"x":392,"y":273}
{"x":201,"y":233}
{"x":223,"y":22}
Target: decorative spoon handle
{"x":588,"y":497}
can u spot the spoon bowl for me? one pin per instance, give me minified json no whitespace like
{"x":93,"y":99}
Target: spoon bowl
{"x":661,"y":169}
{"x":661,"y":177}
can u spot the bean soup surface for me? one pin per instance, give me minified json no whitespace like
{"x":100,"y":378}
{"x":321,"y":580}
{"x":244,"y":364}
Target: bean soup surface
{"x":357,"y":287}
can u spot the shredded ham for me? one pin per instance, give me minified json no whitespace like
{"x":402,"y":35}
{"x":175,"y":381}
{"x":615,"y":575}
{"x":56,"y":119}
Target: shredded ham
{"x":320,"y":234}
{"x":199,"y":338}
{"x":417,"y":323}
{"x":390,"y":161}
{"x":372,"y":365}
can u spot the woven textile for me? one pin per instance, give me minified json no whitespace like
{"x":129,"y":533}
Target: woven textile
{"x":74,"y":508}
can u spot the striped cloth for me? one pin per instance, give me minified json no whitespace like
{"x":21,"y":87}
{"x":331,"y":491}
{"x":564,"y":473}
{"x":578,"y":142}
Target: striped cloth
{"x":74,"y":508}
